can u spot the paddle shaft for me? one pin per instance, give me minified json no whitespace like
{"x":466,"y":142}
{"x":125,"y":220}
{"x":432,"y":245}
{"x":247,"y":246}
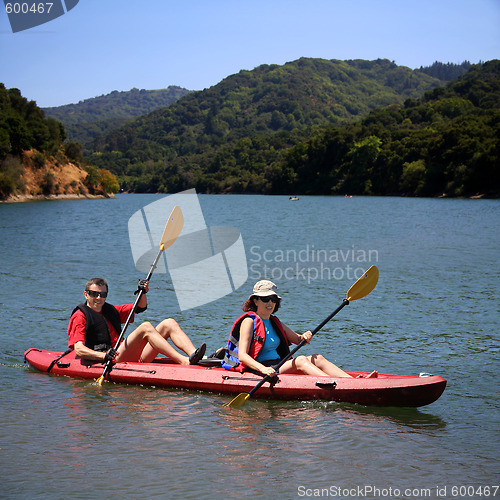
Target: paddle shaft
{"x":109,"y":364}
{"x":299,"y":345}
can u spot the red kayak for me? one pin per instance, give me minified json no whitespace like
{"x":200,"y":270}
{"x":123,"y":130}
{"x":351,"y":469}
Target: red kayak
{"x":384,"y":390}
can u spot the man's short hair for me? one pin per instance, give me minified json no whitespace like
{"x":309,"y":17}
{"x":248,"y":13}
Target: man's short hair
{"x":96,"y":281}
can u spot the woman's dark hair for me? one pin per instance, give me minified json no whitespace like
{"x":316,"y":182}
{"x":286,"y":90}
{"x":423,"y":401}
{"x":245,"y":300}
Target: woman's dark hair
{"x":249,"y":305}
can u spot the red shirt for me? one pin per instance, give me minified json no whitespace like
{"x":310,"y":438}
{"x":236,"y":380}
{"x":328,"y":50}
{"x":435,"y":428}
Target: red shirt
{"x":77,"y":322}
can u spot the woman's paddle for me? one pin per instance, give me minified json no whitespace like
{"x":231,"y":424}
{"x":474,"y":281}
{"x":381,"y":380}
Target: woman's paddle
{"x":172,"y":230}
{"x":360,"y":289}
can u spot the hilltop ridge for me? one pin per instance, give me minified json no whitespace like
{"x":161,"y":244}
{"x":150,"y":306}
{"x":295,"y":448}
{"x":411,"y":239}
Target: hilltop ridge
{"x":86,"y":120}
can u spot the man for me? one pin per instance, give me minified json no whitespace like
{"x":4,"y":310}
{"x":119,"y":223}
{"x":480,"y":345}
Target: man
{"x":95,"y":325}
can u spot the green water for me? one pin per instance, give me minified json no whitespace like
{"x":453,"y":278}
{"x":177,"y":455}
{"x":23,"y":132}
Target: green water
{"x":435,"y":309}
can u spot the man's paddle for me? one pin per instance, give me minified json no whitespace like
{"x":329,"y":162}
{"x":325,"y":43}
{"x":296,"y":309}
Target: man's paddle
{"x":360,"y":289}
{"x":172,"y":230}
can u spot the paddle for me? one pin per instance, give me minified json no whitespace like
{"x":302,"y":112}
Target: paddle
{"x":360,"y":289}
{"x":172,"y":230}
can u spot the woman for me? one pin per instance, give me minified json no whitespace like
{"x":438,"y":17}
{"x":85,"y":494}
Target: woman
{"x":259,"y":340}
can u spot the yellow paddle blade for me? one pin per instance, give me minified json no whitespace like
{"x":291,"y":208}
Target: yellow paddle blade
{"x":172,"y":229}
{"x":239,"y":400}
{"x":100,"y":380}
{"x":364,"y":285}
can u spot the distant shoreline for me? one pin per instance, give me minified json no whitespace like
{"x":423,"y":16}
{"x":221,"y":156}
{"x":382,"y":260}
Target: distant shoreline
{"x":23,"y":198}
{"x":26,"y":198}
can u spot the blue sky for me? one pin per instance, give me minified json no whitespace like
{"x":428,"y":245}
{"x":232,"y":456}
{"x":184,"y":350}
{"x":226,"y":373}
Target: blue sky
{"x":105,"y":45}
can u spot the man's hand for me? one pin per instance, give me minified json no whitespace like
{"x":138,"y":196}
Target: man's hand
{"x":143,"y":285}
{"x":110,"y":356}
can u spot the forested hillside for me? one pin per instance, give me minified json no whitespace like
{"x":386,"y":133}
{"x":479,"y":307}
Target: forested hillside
{"x":446,"y":72}
{"x":90,"y":118}
{"x":23,"y":125}
{"x":35,"y":160}
{"x":320,"y":127}
{"x":445,"y":143}
{"x":285,"y":103}
{"x":308,"y":127}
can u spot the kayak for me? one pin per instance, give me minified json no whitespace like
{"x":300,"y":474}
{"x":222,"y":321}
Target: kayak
{"x":384,"y":390}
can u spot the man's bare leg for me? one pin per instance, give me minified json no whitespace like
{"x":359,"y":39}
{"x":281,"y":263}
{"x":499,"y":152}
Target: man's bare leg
{"x":145,"y":343}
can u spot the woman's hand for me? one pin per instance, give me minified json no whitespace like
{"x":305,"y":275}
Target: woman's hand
{"x":307,"y":336}
{"x":268,"y":371}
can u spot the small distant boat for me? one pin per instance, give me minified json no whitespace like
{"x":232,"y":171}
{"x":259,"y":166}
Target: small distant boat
{"x":293,"y":198}
{"x":348,"y":196}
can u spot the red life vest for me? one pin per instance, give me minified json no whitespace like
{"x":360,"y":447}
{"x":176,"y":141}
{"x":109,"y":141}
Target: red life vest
{"x":231,"y":360}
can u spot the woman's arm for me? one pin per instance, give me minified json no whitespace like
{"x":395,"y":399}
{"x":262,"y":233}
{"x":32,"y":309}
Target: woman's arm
{"x":295,"y":338}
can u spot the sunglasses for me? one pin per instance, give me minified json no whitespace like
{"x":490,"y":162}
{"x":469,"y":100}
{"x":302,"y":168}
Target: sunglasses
{"x":271,"y":298}
{"x":95,"y":294}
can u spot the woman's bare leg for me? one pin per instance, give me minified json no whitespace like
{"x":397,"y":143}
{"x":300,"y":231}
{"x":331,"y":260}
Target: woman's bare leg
{"x":313,"y":365}
{"x":326,"y":366}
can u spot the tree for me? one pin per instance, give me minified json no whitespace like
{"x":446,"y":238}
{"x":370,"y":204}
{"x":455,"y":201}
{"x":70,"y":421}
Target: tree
{"x":413,"y":178}
{"x":109,"y":181}
{"x":360,"y":161}
{"x":20,"y":137}
{"x":73,"y":151}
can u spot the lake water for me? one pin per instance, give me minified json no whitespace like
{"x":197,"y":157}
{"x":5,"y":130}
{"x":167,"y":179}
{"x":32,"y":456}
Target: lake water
{"x":435,"y":309}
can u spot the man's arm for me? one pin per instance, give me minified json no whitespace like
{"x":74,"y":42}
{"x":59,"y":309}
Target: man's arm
{"x":144,"y":286}
{"x":85,"y":352}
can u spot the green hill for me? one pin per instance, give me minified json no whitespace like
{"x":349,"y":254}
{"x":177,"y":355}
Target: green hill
{"x":90,"y":118}
{"x":445,"y":143}
{"x":310,"y":126}
{"x":35,"y":160}
{"x":280,"y":130}
{"x":174,"y":146}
